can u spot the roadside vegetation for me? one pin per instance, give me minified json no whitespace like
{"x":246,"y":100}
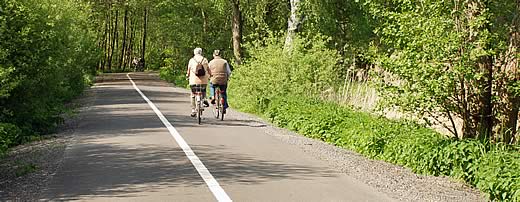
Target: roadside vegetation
{"x":46,"y":47}
{"x":282,"y":92}
{"x":326,"y":69}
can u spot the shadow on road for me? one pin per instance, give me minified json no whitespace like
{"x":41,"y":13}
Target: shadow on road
{"x":129,"y":172}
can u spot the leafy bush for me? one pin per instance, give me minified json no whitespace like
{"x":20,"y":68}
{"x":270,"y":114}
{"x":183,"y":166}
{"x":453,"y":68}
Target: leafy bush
{"x":173,"y":70}
{"x":9,"y":136}
{"x":173,"y":76}
{"x":273,"y":71}
{"x":46,"y":49}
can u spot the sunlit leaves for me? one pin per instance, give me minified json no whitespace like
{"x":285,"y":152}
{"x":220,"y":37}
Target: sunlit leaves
{"x":46,"y":48}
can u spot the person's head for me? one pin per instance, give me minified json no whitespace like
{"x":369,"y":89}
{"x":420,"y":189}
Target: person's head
{"x":197,"y":51}
{"x":216,"y":53}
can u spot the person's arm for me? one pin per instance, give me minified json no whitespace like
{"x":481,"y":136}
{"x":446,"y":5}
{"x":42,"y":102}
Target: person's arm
{"x":188,"y":70}
{"x":228,"y":70}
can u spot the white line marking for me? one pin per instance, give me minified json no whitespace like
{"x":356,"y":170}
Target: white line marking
{"x":213,"y":185}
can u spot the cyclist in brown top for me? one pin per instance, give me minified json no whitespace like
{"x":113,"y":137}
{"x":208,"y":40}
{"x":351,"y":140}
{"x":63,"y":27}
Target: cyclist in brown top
{"x":220,"y":75}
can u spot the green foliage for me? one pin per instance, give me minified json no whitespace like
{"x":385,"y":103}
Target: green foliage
{"x":189,"y":25}
{"x":172,"y":73}
{"x":177,"y":27}
{"x":420,"y":43}
{"x":272,"y":71}
{"x":46,"y":50}
{"x":264,"y":16}
{"x":439,"y":57}
{"x":10,"y":135}
{"x":347,"y":23}
{"x":283,"y":87}
{"x":501,"y":178}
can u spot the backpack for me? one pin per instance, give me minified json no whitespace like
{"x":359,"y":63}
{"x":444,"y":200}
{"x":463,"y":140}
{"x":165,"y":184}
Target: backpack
{"x":199,"y":69}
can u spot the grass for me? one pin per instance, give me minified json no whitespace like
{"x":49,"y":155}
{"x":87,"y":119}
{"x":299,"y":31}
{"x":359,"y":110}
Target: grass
{"x":356,"y":91}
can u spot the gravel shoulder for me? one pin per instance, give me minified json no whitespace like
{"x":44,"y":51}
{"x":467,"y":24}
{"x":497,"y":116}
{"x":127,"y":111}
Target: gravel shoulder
{"x":27,"y":169}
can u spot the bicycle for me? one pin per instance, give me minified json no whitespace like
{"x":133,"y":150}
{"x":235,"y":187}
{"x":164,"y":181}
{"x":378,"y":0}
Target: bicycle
{"x":199,"y":107}
{"x":219,"y":106}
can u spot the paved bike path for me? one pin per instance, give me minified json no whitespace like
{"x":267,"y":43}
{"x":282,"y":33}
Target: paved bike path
{"x":122,"y":151}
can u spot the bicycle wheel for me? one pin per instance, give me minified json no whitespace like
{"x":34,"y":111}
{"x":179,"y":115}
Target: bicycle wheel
{"x":221,"y":108}
{"x":216,"y":110}
{"x":219,"y":105}
{"x":199,"y":111}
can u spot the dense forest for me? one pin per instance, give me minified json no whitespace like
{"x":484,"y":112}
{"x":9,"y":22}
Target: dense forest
{"x":308,"y":65}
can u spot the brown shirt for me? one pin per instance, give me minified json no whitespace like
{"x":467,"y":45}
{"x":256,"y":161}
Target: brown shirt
{"x":220,"y":71}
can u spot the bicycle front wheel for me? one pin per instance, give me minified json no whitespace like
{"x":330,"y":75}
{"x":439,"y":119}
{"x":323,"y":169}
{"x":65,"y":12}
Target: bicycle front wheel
{"x":221,"y":108}
{"x":216,"y":111}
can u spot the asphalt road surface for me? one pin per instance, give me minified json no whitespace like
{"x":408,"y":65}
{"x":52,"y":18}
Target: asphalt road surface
{"x":137,"y":142}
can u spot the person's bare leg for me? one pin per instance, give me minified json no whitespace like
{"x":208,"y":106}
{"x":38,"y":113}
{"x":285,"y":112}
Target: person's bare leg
{"x":193,"y":113}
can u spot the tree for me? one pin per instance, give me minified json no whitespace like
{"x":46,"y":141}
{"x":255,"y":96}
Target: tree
{"x":122,"y":61}
{"x":145,"y":26}
{"x":294,"y":22}
{"x":237,"y":31}
{"x":442,"y":60}
{"x":47,"y":47}
{"x":507,"y":75}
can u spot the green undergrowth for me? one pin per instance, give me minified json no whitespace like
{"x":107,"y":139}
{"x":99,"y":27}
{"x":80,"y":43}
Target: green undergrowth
{"x":47,"y":54}
{"x":174,"y":76}
{"x":10,"y":135}
{"x":492,"y":168}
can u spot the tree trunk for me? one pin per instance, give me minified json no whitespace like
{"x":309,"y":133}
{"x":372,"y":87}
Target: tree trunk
{"x":123,"y":46}
{"x":512,"y":120}
{"x":510,"y":100}
{"x":104,"y":46}
{"x":114,"y":38}
{"x":144,"y":38}
{"x":99,"y":46}
{"x":485,"y":128}
{"x":237,"y":31}
{"x":293,"y":23}
{"x":130,"y":51}
{"x":480,"y":122}
{"x":204,"y":23}
{"x":109,"y":40}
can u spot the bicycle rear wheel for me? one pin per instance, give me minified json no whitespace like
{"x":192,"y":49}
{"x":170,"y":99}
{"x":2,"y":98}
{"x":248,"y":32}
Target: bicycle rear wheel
{"x":219,"y":105}
{"x":216,"y":112}
{"x":199,"y":109}
{"x":216,"y":109}
{"x":199,"y":113}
